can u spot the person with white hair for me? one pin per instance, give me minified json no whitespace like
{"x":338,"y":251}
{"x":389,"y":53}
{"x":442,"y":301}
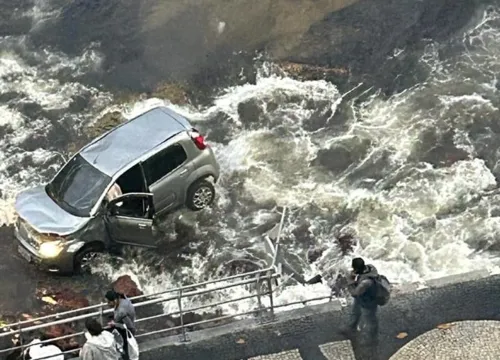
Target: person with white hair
{"x":37,"y":350}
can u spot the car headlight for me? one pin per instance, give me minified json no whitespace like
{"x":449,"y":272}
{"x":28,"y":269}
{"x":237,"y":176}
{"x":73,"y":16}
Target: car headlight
{"x":50,"y":249}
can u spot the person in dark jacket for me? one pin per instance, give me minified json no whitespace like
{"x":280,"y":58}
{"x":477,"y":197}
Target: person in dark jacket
{"x":123,"y":316}
{"x":362,"y":287}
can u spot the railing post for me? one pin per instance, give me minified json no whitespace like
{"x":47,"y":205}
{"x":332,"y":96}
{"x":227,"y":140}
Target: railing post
{"x":259,"y":300}
{"x":183,"y":337}
{"x":101,"y":315}
{"x":270,"y":289}
{"x":23,"y":354}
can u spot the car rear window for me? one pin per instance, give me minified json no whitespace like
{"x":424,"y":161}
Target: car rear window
{"x":164,"y":162}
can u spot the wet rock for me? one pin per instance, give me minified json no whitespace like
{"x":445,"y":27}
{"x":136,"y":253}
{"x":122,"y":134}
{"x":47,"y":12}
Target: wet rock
{"x":319,"y":119}
{"x":376,"y":167}
{"x":184,"y":228}
{"x":125,"y":285}
{"x":237,"y":266}
{"x":303,"y":233}
{"x":365,"y":33}
{"x":68,"y":299}
{"x":337,"y":158}
{"x":339,"y":286}
{"x":175,"y":93}
{"x":30,"y":109}
{"x":346,"y":243}
{"x":250,"y":112}
{"x":342,"y":154}
{"x":438,"y":148}
{"x":8,"y":96}
{"x":428,"y":223}
{"x":315,"y":253}
{"x":302,"y":71}
{"x":55,"y":331}
{"x":79,"y":103}
{"x":107,"y":122}
{"x":218,"y":128}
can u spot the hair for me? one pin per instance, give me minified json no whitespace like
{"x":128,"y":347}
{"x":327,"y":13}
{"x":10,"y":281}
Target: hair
{"x":358,"y":264}
{"x":112,"y":295}
{"x":94,"y":327}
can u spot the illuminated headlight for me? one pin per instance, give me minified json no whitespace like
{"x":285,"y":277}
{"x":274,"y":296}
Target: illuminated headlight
{"x":50,"y":249}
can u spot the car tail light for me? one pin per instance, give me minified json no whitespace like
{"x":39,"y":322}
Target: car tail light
{"x":198,"y":140}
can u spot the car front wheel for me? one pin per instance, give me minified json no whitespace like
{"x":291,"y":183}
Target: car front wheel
{"x":200,"y":195}
{"x":83,"y":259}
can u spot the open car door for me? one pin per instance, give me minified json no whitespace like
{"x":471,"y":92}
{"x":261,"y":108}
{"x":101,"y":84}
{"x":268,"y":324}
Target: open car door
{"x":129,"y":219}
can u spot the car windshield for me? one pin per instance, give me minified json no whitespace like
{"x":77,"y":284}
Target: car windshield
{"x":78,"y":187}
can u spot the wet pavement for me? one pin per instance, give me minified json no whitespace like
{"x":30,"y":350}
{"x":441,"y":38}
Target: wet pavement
{"x":21,"y":282}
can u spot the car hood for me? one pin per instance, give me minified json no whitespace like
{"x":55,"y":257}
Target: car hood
{"x":43,"y":214}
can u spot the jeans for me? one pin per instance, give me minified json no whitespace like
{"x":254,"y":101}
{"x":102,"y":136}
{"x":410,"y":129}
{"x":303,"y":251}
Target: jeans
{"x":369,"y":313}
{"x":123,"y":334}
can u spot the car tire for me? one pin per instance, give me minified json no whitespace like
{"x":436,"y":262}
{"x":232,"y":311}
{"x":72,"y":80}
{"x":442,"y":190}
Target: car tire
{"x":200,"y":195}
{"x":83,"y":259}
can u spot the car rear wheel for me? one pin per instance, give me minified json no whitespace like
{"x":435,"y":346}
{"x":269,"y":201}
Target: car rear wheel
{"x":84,"y":259}
{"x":200,"y":195}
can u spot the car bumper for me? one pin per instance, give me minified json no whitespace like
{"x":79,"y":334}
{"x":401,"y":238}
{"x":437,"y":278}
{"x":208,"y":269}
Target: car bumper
{"x":60,"y":264}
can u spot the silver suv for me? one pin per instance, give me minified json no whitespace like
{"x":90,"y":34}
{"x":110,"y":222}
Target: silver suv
{"x":114,"y":190}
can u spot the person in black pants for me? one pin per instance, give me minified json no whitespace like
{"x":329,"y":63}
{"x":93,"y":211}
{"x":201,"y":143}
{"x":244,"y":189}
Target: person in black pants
{"x":123,"y":317}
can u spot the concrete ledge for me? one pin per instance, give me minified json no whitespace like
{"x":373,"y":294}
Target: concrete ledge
{"x":414,"y":309}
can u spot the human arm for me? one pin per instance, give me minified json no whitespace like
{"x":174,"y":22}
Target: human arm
{"x":122,"y":318}
{"x":358,"y":289}
{"x":86,"y":353}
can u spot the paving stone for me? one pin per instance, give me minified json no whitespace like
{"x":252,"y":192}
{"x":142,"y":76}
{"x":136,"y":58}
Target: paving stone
{"x":338,"y":350}
{"x":285,"y":355}
{"x":463,"y":340}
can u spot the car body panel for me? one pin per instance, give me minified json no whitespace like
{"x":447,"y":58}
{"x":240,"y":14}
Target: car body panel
{"x":115,"y":153}
{"x":94,"y":231}
{"x":170,"y":189}
{"x":131,"y":229}
{"x":43,"y":214}
{"x":122,"y":145}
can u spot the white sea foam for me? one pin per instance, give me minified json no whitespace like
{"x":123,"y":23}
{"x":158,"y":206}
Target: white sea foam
{"x":401,"y":229}
{"x":426,"y":222}
{"x":40,"y":86}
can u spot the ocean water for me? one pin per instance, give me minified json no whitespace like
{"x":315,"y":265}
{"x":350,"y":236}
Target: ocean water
{"x":412,"y":174}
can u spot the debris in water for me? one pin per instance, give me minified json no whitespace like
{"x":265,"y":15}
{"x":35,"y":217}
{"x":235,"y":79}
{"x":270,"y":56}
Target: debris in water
{"x":445,"y":326}
{"x":49,"y":300}
{"x":402,"y":335}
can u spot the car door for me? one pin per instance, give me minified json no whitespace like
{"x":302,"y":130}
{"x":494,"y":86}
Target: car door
{"x":166,"y":173}
{"x":129,"y":219}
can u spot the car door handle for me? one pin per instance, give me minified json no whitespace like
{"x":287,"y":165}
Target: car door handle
{"x":183,"y":172}
{"x":142,"y":226}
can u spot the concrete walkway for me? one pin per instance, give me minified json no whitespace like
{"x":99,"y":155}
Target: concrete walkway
{"x":464,"y":340}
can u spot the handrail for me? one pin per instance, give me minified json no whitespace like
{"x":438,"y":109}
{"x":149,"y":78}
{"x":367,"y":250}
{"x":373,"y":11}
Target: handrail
{"x":258,"y":277}
{"x":97,"y":306}
{"x":107,"y":311}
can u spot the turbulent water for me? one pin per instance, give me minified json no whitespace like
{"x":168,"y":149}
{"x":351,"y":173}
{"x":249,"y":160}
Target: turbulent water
{"x":411,"y":174}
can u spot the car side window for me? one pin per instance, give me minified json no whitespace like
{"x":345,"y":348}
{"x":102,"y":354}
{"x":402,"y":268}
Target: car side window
{"x":164,"y":162}
{"x":136,"y":207}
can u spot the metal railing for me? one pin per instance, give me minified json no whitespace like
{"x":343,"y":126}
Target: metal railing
{"x":261,"y":282}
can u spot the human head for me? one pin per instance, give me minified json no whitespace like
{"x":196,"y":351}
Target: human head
{"x":93,"y":327}
{"x":358,"y":265}
{"x":112,"y":297}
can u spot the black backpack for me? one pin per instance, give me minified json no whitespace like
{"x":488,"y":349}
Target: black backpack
{"x":383,"y":292}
